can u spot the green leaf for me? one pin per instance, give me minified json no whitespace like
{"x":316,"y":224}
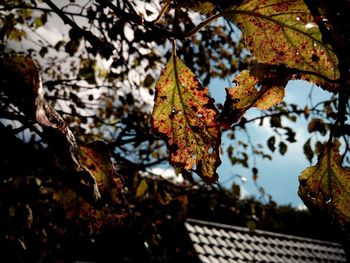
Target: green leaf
{"x":38,"y":22}
{"x":325,"y":186}
{"x":185,"y":117}
{"x":141,"y":188}
{"x":247,"y":94}
{"x":284,"y":32}
{"x":16,"y":34}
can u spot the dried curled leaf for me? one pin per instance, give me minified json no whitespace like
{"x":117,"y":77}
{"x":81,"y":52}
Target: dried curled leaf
{"x":326,"y":186}
{"x":249,"y":92}
{"x":22,"y":84}
{"x":284,"y":32}
{"x":184,"y":116}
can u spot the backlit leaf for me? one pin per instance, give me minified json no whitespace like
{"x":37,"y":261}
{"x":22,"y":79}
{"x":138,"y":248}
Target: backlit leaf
{"x":184,"y":116}
{"x":284,"y":32}
{"x":247,"y":94}
{"x":325,"y":186}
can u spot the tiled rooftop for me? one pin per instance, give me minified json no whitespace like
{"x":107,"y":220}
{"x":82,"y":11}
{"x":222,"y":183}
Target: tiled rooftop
{"x":218,"y":243}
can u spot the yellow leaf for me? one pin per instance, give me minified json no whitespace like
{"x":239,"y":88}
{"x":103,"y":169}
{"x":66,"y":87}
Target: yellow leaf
{"x":247,"y":94}
{"x":96,"y":157}
{"x":280,"y":32}
{"x":185,"y":117}
{"x":141,"y":189}
{"x":326,"y":186}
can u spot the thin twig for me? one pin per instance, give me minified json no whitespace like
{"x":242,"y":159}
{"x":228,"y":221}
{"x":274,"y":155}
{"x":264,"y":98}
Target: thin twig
{"x":204,"y":23}
{"x":92,"y":39}
{"x":162,"y":12}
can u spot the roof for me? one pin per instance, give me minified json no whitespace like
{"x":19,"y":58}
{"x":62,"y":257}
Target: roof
{"x":219,"y":243}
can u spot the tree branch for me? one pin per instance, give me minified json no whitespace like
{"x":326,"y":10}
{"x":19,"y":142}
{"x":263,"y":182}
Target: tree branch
{"x":104,"y":48}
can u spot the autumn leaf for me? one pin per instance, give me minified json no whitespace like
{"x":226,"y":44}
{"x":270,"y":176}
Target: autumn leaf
{"x":326,"y":186}
{"x":280,"y":32}
{"x":96,"y":157}
{"x":184,"y":116}
{"x":249,"y":92}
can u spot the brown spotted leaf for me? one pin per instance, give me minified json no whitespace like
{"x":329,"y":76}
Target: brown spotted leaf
{"x":249,"y":92}
{"x":326,"y":186}
{"x":96,"y":157}
{"x":184,"y":116}
{"x":283,"y":32}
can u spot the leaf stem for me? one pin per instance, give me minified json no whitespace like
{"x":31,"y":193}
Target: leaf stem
{"x":162,"y":12}
{"x":173,"y":41}
{"x":205,"y":23}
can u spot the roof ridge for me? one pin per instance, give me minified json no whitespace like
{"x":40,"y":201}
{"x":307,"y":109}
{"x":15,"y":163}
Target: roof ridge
{"x":262,"y":232}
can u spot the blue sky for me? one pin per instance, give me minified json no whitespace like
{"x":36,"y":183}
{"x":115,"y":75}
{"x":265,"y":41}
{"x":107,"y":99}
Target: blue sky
{"x":278,"y":177}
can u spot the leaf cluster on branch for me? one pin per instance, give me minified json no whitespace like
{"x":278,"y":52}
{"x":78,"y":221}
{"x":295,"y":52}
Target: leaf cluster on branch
{"x":80,"y":103}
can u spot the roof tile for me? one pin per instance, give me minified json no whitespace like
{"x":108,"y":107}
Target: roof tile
{"x":223,"y":260}
{"x":189,"y":227}
{"x":194,"y":238}
{"x":224,"y":233}
{"x":236,"y":254}
{"x":208,"y":250}
{"x":246,"y":255}
{"x":239,"y":245}
{"x":221,"y":242}
{"x":203,"y":239}
{"x":214,"y":259}
{"x":199,"y":248}
{"x":233,"y":235}
{"x":213,"y":241}
{"x":219,"y":252}
{"x":199,"y":229}
{"x":216,"y":232}
{"x":228,"y":253}
{"x":207,"y":231}
{"x":204,"y":259}
{"x":230,"y":243}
